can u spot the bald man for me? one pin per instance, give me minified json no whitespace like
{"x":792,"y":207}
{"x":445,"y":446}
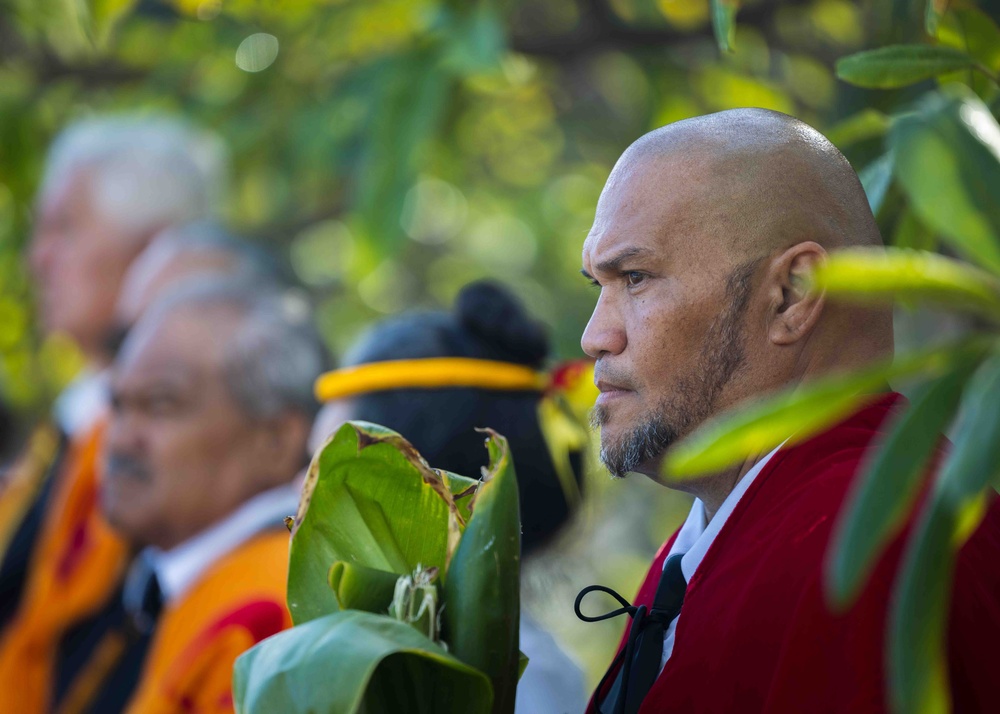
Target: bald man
{"x":702,"y":243}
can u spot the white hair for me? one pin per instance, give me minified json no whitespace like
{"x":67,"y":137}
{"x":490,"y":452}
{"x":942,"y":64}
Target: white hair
{"x":275,"y":353}
{"x":146,"y":172}
{"x":207,"y":238}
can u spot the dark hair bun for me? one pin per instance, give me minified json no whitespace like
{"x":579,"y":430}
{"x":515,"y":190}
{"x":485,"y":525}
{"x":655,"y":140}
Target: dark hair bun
{"x":494,"y":315}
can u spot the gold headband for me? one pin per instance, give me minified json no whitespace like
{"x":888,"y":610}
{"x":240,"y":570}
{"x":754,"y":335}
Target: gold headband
{"x":428,"y":373}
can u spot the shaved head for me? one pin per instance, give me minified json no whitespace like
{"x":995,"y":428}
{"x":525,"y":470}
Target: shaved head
{"x":703,"y":241}
{"x":768,"y":177}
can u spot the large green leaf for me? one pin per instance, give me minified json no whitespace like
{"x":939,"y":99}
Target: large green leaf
{"x":356,"y":662}
{"x":796,"y":414}
{"x":877,"y":274}
{"x":917,"y":633}
{"x":899,"y":65}
{"x":878,"y":507}
{"x":947,"y":159}
{"x":724,"y":23}
{"x":482,"y":601}
{"x":369,"y":500}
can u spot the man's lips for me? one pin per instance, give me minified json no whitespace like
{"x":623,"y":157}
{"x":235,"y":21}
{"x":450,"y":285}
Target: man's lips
{"x":610,"y":391}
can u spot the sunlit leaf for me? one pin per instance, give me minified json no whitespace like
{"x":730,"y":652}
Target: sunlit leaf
{"x":356,"y":662}
{"x":884,"y":495}
{"x":947,"y":159}
{"x":917,"y":634}
{"x":866,"y":124}
{"x":369,"y":500}
{"x":795,"y":414}
{"x":973,"y":31}
{"x":482,"y":600}
{"x":879,"y":275}
{"x":875,"y":179}
{"x":724,"y":23}
{"x":899,"y":65}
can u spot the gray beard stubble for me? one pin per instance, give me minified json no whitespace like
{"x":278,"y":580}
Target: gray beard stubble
{"x":722,"y":355}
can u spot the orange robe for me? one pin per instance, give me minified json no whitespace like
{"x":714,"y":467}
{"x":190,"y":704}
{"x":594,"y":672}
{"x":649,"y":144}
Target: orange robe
{"x":236,"y":604}
{"x":77,"y":565}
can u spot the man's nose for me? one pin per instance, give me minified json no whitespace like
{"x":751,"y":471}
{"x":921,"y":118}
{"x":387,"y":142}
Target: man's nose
{"x":605,"y":333}
{"x":123,"y":433}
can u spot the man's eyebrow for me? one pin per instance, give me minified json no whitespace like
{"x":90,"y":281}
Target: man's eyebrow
{"x":614,"y":263}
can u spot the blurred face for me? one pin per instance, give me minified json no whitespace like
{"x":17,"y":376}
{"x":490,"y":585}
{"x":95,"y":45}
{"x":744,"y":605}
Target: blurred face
{"x":668,"y":329}
{"x":78,"y":257}
{"x":180,"y":452}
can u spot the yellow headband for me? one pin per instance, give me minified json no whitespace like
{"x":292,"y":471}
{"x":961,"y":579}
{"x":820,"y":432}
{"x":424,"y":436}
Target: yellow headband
{"x":428,"y":373}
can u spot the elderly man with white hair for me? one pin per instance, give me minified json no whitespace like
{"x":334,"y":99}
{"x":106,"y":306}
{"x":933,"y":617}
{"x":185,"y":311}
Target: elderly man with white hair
{"x":211,"y":408}
{"x":109,"y":186}
{"x":78,"y":562}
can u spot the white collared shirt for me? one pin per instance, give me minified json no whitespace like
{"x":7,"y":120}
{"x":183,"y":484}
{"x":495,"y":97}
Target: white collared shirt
{"x":696,"y":537}
{"x":79,"y":405}
{"x":179,"y":568}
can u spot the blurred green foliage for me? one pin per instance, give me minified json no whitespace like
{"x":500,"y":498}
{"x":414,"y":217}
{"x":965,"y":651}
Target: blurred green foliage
{"x":392,"y":150}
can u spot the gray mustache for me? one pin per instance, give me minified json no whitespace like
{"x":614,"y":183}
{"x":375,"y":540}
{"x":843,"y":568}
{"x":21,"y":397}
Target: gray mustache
{"x":125,"y":466}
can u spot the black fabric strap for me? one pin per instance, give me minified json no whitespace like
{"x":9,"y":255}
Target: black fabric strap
{"x":640,"y":659}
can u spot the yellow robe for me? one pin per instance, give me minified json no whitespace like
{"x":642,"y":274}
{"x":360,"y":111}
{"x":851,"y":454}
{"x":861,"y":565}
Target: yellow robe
{"x":239,"y":602}
{"x":77,"y":565}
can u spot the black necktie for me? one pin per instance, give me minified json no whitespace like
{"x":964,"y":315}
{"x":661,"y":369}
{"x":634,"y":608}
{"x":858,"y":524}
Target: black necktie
{"x":142,"y":596}
{"x":644,"y":647}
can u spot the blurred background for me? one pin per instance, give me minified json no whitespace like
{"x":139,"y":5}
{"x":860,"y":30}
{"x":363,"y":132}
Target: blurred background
{"x":387,"y":152}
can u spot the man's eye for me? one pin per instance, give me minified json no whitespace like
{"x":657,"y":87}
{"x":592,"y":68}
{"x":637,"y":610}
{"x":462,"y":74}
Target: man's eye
{"x":634,"y":277}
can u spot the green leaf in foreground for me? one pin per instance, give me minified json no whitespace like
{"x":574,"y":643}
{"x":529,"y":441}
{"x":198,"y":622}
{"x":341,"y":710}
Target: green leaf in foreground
{"x":392,"y":668}
{"x":917,"y":627}
{"x":883,"y":497}
{"x":947,"y":160}
{"x":795,"y":414}
{"x":724,"y":23}
{"x":899,"y":65}
{"x":369,"y":500}
{"x":878,"y":275}
{"x":482,"y":600}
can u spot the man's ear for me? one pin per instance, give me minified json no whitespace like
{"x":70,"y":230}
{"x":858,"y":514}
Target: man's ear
{"x":796,"y":304}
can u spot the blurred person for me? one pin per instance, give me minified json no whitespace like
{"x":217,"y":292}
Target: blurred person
{"x":79,"y":561}
{"x":395,"y":376}
{"x":211,"y":409}
{"x":701,"y":248}
{"x":109,"y":185}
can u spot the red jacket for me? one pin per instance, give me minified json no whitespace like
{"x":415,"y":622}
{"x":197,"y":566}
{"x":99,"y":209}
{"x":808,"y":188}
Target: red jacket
{"x":755,"y":634}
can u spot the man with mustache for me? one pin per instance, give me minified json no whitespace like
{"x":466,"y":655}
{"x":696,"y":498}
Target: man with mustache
{"x":702,"y":244}
{"x":211,"y":407}
{"x":79,"y":562}
{"x":110,"y":184}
